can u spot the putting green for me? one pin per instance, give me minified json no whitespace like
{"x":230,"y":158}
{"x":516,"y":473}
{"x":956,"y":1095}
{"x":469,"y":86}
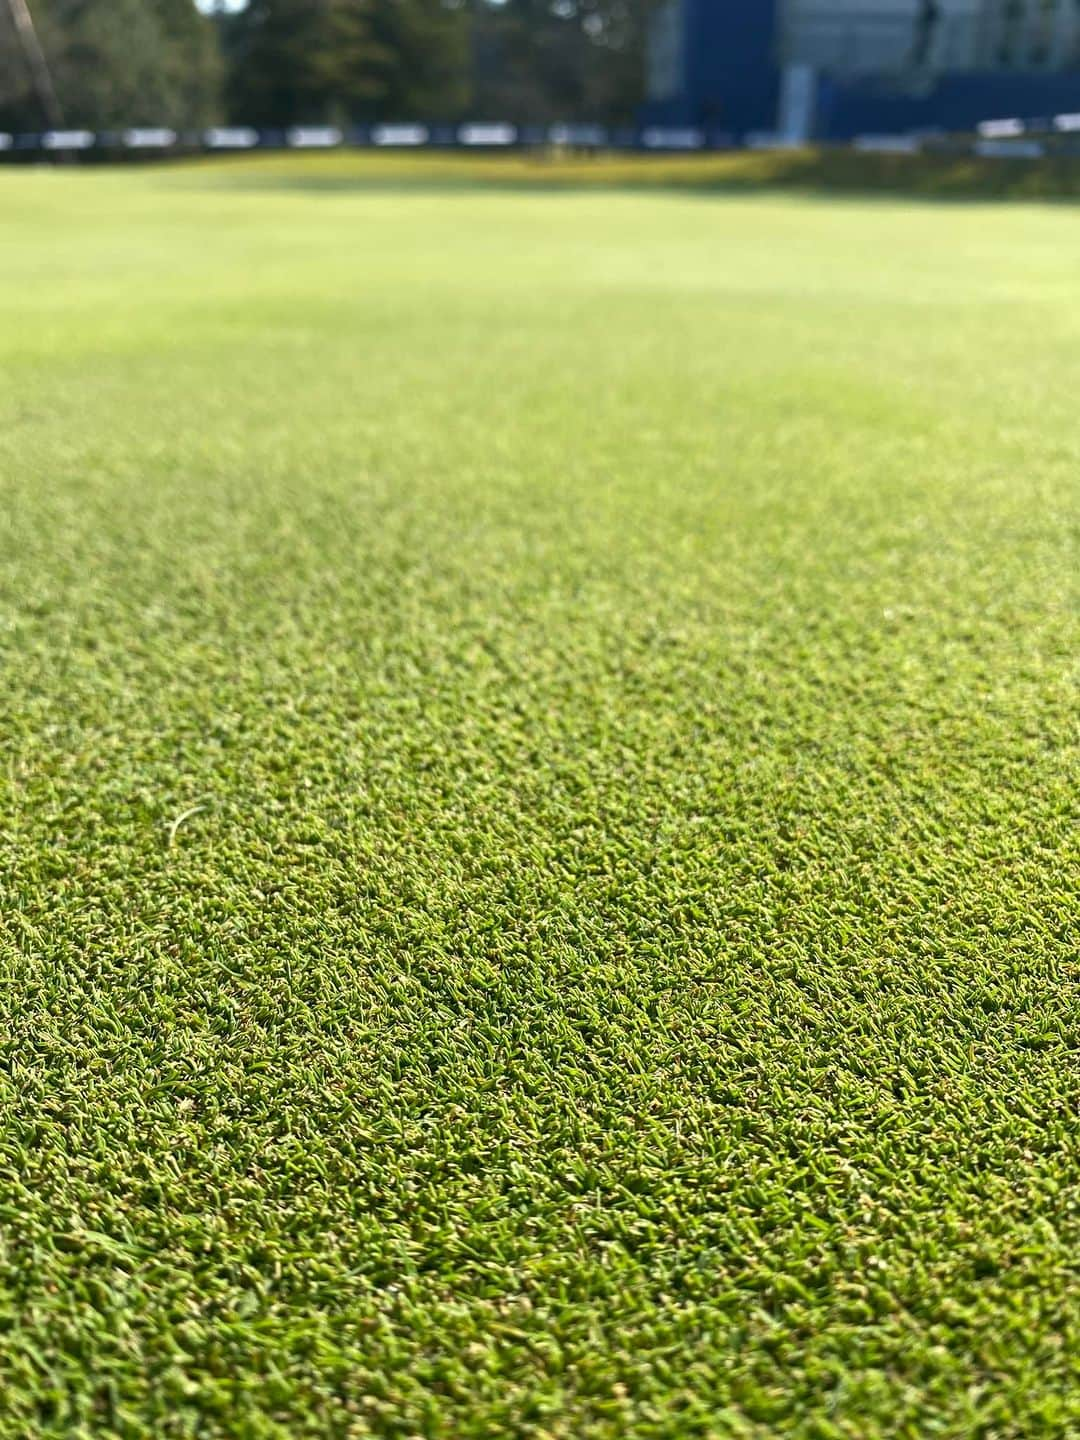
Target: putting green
{"x":538,"y":809}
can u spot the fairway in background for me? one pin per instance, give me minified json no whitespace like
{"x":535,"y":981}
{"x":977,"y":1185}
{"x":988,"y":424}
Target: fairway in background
{"x":539,"y":811}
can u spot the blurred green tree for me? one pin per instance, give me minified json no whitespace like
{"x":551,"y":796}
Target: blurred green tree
{"x":115,"y":63}
{"x":294,"y":61}
{"x":159,"y":62}
{"x":547,"y":60}
{"x":303,"y":61}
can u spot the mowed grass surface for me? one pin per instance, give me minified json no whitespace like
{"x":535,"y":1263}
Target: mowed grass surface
{"x":540,"y":884}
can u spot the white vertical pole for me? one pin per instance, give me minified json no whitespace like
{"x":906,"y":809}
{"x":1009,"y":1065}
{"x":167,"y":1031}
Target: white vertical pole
{"x":798,"y":102}
{"x":35,"y":58}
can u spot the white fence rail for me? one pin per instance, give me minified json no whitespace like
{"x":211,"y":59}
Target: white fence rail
{"x":994,"y":136}
{"x":475,"y":135}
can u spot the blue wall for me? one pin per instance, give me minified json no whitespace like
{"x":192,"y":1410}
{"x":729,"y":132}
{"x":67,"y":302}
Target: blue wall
{"x":730,"y":83}
{"x":730,"y":80}
{"x":956,"y":103}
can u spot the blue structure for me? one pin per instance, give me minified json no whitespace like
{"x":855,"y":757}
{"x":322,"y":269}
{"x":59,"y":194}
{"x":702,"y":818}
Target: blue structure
{"x":713,"y":64}
{"x":954,"y":103}
{"x":717,"y":65}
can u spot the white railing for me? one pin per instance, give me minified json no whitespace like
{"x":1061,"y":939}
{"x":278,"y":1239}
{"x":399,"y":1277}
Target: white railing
{"x":476,"y":135}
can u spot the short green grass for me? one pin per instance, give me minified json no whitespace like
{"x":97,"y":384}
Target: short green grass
{"x":538,"y":770}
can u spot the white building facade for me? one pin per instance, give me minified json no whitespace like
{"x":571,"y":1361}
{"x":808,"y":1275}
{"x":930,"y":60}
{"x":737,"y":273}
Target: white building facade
{"x":852,"y":38}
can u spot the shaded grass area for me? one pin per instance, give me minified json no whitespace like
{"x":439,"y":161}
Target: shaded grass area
{"x":539,"y":772}
{"x":838,"y":170}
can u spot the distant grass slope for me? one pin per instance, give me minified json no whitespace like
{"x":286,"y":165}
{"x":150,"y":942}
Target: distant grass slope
{"x":539,"y":813}
{"x":838,"y":169}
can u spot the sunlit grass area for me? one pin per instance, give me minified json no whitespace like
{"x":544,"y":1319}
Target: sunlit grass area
{"x":538,"y":809}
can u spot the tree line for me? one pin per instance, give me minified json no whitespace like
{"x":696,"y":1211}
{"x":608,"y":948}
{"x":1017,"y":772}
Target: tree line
{"x":118,"y":63}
